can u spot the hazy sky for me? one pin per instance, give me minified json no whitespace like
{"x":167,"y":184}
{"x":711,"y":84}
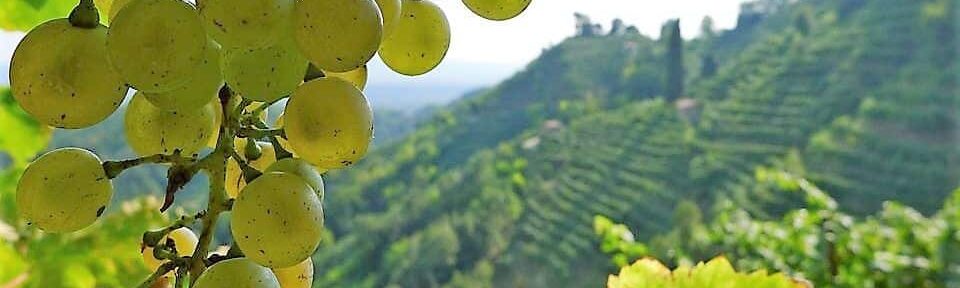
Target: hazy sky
{"x":496,"y":49}
{"x":546,"y":22}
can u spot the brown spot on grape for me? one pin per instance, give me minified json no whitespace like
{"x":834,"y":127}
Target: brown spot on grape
{"x":100,"y":211}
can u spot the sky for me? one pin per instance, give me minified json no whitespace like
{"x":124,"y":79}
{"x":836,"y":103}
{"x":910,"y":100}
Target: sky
{"x":484,"y":52}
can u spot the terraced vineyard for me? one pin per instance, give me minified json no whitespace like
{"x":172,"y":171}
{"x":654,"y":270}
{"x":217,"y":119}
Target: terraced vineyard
{"x":637,"y":175}
{"x":887,"y":150}
{"x":500,"y":189}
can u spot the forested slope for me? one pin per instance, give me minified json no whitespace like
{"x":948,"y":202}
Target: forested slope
{"x":500,"y":189}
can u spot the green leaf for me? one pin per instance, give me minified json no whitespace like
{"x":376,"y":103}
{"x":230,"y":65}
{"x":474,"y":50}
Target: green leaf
{"x":25,"y":14}
{"x":13,"y":266}
{"x":22,"y":136}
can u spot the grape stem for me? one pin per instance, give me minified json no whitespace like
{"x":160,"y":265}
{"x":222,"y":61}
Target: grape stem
{"x":85,"y":15}
{"x":114,"y":168}
{"x":312,"y":73}
{"x":216,"y":164}
{"x":151,"y":238}
{"x":256,"y":133}
{"x":248,"y":172}
{"x":157,"y":275}
{"x":265,"y":106}
{"x":279,"y":149}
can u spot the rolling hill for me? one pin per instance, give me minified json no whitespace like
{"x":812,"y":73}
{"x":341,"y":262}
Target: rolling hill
{"x":500,"y":189}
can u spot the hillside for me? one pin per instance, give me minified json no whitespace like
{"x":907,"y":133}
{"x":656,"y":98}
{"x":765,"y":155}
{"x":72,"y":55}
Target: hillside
{"x":499,"y":190}
{"x":107,"y":140}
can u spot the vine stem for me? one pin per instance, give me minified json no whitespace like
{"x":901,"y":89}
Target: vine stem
{"x":157,"y":275}
{"x":279,"y":150}
{"x":114,"y":168}
{"x":266,"y":106}
{"x":215,"y":164}
{"x":152,"y":238}
{"x":255,"y":133}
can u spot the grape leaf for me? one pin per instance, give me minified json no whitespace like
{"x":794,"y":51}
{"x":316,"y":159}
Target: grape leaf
{"x":25,"y":14}
{"x":22,"y":137}
{"x":13,"y":265}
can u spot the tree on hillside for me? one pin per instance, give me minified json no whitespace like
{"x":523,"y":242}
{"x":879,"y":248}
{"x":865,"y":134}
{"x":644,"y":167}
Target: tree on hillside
{"x":584,"y":26}
{"x":675,"y":74}
{"x":802,"y":23}
{"x":708,"y":65}
{"x":707,"y":30}
{"x":617,"y":27}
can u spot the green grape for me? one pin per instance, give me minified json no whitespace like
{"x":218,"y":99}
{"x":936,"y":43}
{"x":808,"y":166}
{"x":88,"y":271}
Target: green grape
{"x":155,"y":45}
{"x":247,"y":24}
{"x":60,"y":75}
{"x":103,"y":7}
{"x":420,"y":41}
{"x":498,"y":10}
{"x":64,"y":190}
{"x":184,"y":240}
{"x":303,"y":169}
{"x":199,"y":90}
{"x":234,"y":178}
{"x":237,"y":273}
{"x":357,"y":77}
{"x":277,"y":220}
{"x":338,"y":35}
{"x":114,"y":8}
{"x":328,"y":122}
{"x":264,"y":74}
{"x":151,"y":130}
{"x":296,"y":276}
{"x":390,"y":10}
{"x":218,"y":116}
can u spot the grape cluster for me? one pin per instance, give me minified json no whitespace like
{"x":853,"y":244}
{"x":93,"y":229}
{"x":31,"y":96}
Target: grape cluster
{"x":204,"y":76}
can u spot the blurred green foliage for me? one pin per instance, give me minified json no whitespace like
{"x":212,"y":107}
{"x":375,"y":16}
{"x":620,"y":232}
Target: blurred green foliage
{"x":22,"y":137}
{"x":896,"y":247}
{"x":106,"y":254}
{"x":715,"y":273}
{"x":25,"y":14}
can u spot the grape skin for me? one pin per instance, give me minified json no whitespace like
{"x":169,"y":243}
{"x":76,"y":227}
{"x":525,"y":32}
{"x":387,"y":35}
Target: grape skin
{"x":200,"y":89}
{"x":328,"y":122}
{"x":264,"y":74}
{"x":357,"y":77}
{"x":151,"y":130}
{"x":156,"y":44}
{"x":390,"y":12}
{"x":246,"y":24}
{"x":296,"y":276}
{"x":115,"y":7}
{"x":237,"y":273}
{"x":338,"y":35}
{"x":184,"y":240}
{"x":234,"y":180}
{"x":274,"y":231}
{"x":497,"y":10}
{"x":64,"y":190}
{"x":302,"y":169}
{"x":420,"y":40}
{"x":60,"y":75}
